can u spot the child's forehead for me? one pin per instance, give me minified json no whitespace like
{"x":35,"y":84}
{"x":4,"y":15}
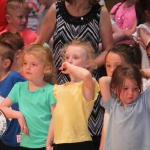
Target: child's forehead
{"x":18,"y":11}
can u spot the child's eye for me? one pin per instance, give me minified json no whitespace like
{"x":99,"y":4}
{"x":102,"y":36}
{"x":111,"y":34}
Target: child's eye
{"x":107,"y":65}
{"x":33,"y":64}
{"x":76,"y":57}
{"x":125,"y":88}
{"x":66,"y":58}
{"x":24,"y":63}
{"x":136,"y":88}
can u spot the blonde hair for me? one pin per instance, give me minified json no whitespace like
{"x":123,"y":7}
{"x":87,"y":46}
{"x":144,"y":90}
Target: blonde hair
{"x":44,"y":54}
{"x":16,"y":4}
{"x":87,"y":47}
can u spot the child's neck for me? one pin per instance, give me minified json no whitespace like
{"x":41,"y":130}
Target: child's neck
{"x":13,"y":29}
{"x":128,"y":4}
{"x":4,"y":74}
{"x":74,"y":79}
{"x":32,"y":86}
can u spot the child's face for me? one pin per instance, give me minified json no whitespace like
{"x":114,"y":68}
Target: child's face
{"x":148,"y":54}
{"x":77,"y":56}
{"x":33,"y":68}
{"x":129,"y":92}
{"x":18,"y":20}
{"x":112,"y":61}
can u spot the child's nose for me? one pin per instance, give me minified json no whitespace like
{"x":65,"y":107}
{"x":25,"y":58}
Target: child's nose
{"x":70,"y":60}
{"x":24,"y":19}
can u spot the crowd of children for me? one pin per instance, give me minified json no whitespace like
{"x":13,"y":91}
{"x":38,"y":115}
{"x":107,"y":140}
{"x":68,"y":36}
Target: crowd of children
{"x":84,"y":93}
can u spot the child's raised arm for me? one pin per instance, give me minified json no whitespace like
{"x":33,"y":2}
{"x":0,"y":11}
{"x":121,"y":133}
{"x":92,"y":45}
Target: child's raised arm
{"x":84,"y":75}
{"x":144,"y":36}
{"x":145,"y":72}
{"x":5,"y":107}
{"x":104,"y":83}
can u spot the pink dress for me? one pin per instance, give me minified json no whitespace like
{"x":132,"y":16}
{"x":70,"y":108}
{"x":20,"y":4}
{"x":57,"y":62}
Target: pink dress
{"x":125,"y":18}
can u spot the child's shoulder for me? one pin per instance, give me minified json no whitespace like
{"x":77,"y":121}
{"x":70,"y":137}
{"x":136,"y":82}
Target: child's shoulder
{"x":16,"y":76}
{"x":116,"y":6}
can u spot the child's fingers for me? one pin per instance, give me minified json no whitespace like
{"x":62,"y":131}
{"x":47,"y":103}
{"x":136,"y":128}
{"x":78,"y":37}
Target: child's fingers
{"x":25,"y":130}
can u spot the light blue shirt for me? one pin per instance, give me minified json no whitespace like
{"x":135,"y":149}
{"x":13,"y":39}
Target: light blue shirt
{"x":128,"y":129}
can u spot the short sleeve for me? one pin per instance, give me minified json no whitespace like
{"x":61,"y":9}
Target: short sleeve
{"x":96,"y":89}
{"x":52,"y":98}
{"x":55,"y":89}
{"x":107,"y":105}
{"x":13,"y":93}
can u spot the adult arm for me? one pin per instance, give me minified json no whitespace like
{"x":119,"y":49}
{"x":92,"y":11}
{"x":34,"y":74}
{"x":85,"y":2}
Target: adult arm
{"x":106,"y":36}
{"x":48,"y":26}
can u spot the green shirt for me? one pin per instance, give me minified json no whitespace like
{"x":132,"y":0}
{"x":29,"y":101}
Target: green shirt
{"x":35,"y":106}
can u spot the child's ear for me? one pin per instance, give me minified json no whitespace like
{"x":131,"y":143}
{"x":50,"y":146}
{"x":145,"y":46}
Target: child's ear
{"x":88,"y":63}
{"x":8,"y":18}
{"x":18,"y":54}
{"x":7,"y":63}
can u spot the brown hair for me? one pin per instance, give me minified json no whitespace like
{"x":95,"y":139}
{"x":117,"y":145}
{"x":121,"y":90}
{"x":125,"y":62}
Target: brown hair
{"x":15,"y":4}
{"x":123,"y":72}
{"x":91,"y":2}
{"x":14,"y":39}
{"x":6,"y":52}
{"x":87,"y":47}
{"x":130,"y":53}
{"x":44,"y":54}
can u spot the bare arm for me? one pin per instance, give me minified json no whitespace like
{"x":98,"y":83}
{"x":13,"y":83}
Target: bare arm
{"x":50,"y":136}
{"x":106,"y":36}
{"x":10,"y":113}
{"x":82,"y":74}
{"x":104,"y":83}
{"x":48,"y":26}
{"x":145,"y":72}
{"x":144,"y":36}
{"x":128,"y":32}
{"x":117,"y":33}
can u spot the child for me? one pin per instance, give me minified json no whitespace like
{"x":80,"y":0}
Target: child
{"x":17,"y":12}
{"x":121,"y":53}
{"x":7,"y":81}
{"x":75,"y":100}
{"x":16,"y":41}
{"x":125,"y":17}
{"x":34,"y":97}
{"x":143,"y":29}
{"x":129,"y":124}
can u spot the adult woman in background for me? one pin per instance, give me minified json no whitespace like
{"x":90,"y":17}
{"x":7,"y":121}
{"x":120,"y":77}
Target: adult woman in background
{"x":80,"y":19}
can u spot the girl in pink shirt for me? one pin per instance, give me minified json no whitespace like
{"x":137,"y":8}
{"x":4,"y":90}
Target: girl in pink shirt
{"x":125,"y":17}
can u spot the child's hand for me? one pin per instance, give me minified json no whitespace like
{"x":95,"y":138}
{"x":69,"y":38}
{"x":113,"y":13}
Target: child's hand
{"x":22,"y":124}
{"x":64,"y":68}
